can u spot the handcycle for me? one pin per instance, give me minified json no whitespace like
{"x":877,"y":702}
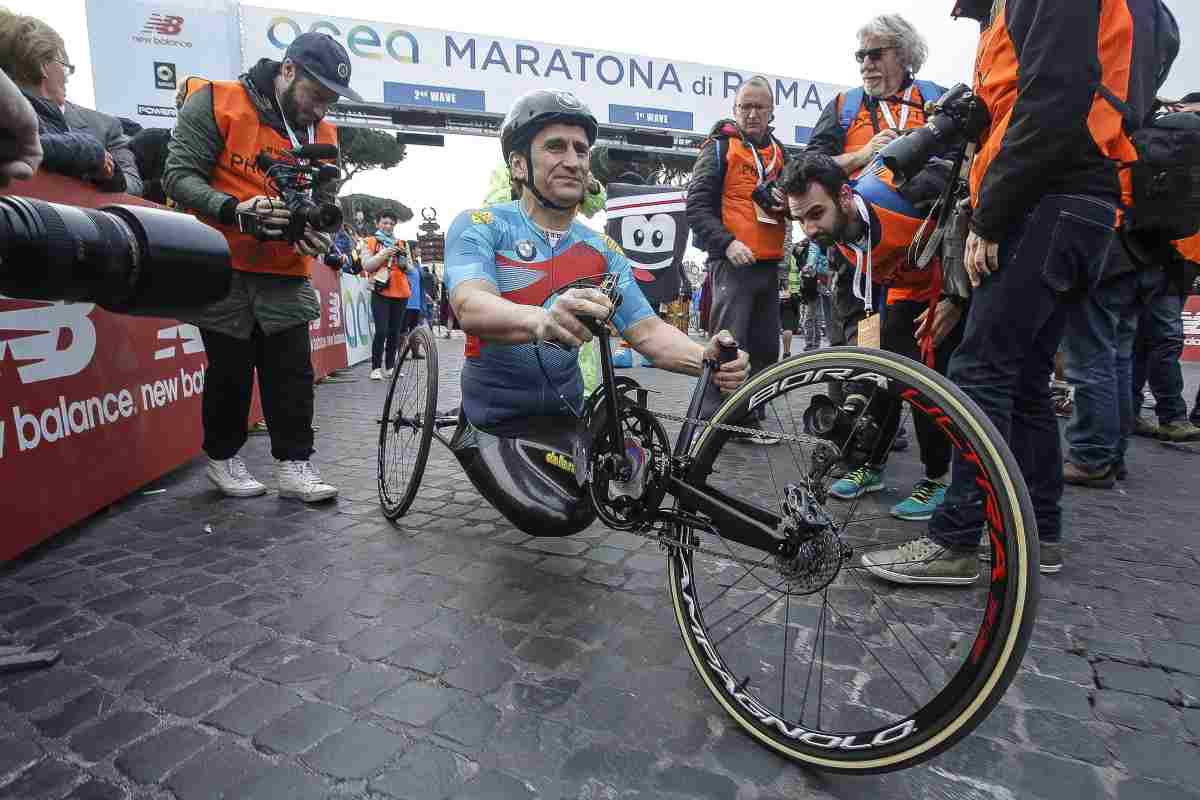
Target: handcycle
{"x":807,"y":652}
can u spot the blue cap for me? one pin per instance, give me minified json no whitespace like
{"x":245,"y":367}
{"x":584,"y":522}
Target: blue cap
{"x":323,"y":58}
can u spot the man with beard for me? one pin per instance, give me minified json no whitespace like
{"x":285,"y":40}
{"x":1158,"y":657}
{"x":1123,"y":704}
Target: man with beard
{"x":873,"y":227}
{"x":263,"y":324}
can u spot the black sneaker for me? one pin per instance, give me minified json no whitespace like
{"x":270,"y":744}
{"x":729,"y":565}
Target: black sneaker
{"x":1052,"y":562}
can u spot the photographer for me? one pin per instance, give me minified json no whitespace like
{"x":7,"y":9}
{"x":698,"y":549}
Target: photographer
{"x":212,"y":170}
{"x":1045,"y":189}
{"x":737,"y":216}
{"x":857,"y":124}
{"x":873,"y":227}
{"x":386,"y":269}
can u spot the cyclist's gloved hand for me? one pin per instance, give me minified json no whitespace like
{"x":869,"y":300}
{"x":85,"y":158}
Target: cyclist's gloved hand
{"x":731,"y":374}
{"x":560,"y":322}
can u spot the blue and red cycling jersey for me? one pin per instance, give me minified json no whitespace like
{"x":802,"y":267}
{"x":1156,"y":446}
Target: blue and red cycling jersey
{"x":500,"y":244}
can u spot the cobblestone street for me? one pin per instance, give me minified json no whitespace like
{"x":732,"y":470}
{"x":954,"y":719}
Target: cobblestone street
{"x":261,"y":648}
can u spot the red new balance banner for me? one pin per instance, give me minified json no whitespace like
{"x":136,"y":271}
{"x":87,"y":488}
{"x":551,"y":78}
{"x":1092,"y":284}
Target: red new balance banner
{"x":94,"y":405}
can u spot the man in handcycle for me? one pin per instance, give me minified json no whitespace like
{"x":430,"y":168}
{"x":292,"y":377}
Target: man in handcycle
{"x":504,"y":263}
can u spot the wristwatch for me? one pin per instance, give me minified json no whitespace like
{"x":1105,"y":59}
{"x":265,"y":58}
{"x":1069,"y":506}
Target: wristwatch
{"x":958,"y":300}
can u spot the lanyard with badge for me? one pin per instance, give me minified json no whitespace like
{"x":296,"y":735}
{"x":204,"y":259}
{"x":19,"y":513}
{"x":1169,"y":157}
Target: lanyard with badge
{"x":288,"y":126}
{"x":906,"y":102}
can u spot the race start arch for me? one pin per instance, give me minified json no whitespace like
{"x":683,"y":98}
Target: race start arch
{"x":421,"y":80}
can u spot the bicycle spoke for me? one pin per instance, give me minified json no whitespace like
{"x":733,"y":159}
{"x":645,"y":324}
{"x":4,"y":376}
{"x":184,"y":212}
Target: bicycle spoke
{"x":899,"y":640}
{"x":871,"y":653}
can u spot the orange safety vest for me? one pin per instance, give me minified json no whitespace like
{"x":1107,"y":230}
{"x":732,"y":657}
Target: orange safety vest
{"x":739,"y":213}
{"x":889,"y":259}
{"x":236,"y":174}
{"x":861,"y":130}
{"x":398,"y":287}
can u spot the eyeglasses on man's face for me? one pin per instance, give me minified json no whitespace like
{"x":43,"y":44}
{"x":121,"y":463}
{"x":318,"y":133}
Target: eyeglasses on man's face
{"x":873,"y":53}
{"x":753,"y":108}
{"x":68,"y":67}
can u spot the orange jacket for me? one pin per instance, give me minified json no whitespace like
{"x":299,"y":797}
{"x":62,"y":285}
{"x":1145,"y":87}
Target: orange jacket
{"x":1189,"y":248}
{"x":236,"y":174}
{"x":397,"y":288}
{"x":1039,"y":67}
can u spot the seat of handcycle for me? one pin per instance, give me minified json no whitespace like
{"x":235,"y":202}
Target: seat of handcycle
{"x":526,"y":469}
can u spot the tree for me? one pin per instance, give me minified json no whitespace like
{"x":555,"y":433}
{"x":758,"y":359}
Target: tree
{"x":371,"y":205}
{"x":363,"y":149}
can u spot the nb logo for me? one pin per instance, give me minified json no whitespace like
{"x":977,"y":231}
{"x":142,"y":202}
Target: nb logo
{"x":33,"y":334}
{"x":163,"y":24}
{"x":188,"y":334}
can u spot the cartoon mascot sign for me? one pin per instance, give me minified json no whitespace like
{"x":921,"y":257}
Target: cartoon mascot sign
{"x":650,"y":225}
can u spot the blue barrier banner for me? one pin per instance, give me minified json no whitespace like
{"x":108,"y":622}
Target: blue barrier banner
{"x":421,"y":96}
{"x":650,"y":117}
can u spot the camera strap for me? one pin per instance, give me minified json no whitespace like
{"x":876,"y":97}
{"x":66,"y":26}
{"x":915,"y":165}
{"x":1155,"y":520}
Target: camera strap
{"x":861,"y":285}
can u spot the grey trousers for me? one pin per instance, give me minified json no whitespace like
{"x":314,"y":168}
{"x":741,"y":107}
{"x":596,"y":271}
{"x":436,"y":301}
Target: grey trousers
{"x":745,"y":303}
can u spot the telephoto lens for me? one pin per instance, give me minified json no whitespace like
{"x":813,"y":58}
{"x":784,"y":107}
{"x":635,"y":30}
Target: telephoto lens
{"x":127,"y":259}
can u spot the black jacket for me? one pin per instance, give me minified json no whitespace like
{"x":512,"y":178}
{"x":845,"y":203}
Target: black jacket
{"x":149,"y":147}
{"x":1040,"y":68}
{"x":705,"y":192}
{"x":75,"y":154}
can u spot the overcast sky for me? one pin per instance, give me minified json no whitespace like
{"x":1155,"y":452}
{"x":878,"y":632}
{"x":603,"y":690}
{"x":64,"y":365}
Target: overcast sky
{"x":814,"y":41}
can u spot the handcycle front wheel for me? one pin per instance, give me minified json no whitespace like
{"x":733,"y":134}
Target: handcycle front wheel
{"x":406,"y":425}
{"x":816,"y":657}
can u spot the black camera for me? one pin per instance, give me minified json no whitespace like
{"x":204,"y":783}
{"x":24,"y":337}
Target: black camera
{"x":763,"y":195}
{"x":851,"y":426}
{"x":957,"y":117}
{"x":127,"y":259}
{"x":300,"y":183}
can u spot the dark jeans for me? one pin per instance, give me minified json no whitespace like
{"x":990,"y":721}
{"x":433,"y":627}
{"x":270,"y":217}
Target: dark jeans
{"x":1013,"y":329}
{"x":1096,"y":346}
{"x":1100,"y":351}
{"x":285,"y":381}
{"x":745,"y":303}
{"x":389,"y":317}
{"x":896,"y":336}
{"x":1157,"y":350}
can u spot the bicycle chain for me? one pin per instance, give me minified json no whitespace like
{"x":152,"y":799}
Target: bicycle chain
{"x":787,"y":437}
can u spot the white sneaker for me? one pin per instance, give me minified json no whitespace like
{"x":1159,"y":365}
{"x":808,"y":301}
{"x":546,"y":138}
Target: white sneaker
{"x":233,"y":479}
{"x":388,"y":372}
{"x":376,"y":374}
{"x":299,"y":479}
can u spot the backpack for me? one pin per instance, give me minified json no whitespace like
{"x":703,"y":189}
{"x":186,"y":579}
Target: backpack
{"x":1166,"y":176}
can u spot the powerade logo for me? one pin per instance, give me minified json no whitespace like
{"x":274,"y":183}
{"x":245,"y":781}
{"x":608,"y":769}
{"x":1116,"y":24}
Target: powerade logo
{"x":361,"y":40}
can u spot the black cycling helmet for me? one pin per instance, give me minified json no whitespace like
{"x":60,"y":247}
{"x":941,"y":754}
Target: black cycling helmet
{"x":535,"y":110}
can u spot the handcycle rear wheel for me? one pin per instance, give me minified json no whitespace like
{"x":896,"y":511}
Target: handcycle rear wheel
{"x":828,"y":665}
{"x":406,"y":425}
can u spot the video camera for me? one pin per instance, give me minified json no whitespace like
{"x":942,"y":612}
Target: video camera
{"x":853,"y":426}
{"x":127,"y":259}
{"x":298,"y":182}
{"x":958,"y":117}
